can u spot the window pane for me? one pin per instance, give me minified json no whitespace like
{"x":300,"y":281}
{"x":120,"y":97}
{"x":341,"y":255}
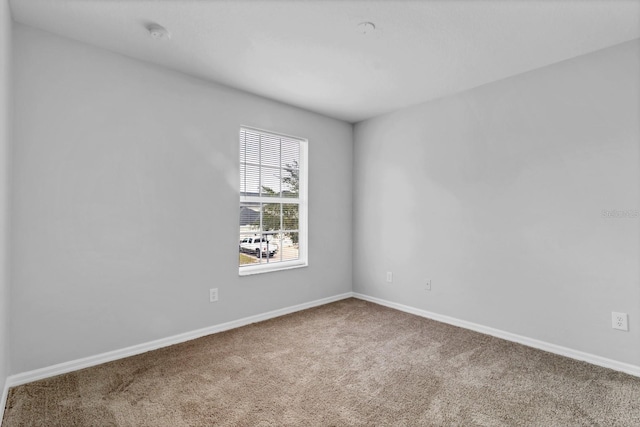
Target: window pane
{"x":270,"y":182}
{"x":249,"y":147}
{"x":290,"y":167}
{"x":243,"y":173}
{"x":249,"y":218}
{"x":289,"y":248}
{"x":290,"y":182}
{"x":290,"y":153}
{"x":271,"y":216}
{"x":277,"y":239}
{"x":270,"y":151}
{"x":246,"y":247}
{"x":250,"y":180}
{"x":289,"y":216}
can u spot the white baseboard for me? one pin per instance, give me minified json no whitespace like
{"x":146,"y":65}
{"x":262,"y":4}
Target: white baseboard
{"x":530,"y":342}
{"x":3,"y":402}
{"x":74,"y":365}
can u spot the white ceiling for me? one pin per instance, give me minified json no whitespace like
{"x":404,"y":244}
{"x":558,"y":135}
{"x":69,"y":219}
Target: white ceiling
{"x":310,"y":54}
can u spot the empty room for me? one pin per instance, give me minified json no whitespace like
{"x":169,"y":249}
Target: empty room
{"x":320,"y":213}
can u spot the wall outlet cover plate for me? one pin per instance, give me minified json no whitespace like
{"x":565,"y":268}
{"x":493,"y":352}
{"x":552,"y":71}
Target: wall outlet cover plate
{"x":620,"y":321}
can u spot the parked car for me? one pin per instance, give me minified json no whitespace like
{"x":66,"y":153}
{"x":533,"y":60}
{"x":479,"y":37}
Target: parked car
{"x":258,"y":246}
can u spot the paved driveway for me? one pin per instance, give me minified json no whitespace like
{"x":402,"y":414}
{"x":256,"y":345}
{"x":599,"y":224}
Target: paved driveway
{"x":288,"y":253}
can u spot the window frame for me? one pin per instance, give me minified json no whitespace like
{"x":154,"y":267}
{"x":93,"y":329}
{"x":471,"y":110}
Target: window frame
{"x":302,"y":200}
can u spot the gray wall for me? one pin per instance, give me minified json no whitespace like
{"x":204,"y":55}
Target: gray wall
{"x":126,"y":185}
{"x":5,"y":121}
{"x":496,"y":195}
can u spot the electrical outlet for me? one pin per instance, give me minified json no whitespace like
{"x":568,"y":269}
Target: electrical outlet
{"x":428,"y":286}
{"x":620,"y":321}
{"x":213,"y":294}
{"x":389,"y":277}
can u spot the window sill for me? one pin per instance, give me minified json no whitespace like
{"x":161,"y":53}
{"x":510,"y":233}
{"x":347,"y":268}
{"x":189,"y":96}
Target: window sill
{"x":268,"y":268}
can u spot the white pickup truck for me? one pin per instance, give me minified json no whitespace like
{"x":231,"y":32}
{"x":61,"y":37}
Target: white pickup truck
{"x":258,"y":246}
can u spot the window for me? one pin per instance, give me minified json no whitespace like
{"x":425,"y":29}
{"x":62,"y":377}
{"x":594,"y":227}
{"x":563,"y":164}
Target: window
{"x":273,"y":202}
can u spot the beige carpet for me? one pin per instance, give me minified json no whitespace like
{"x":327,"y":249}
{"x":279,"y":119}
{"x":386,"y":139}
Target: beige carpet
{"x":346,"y":363}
